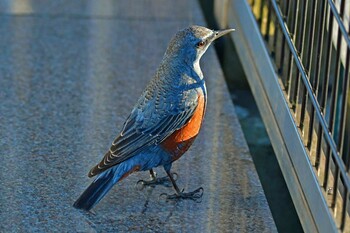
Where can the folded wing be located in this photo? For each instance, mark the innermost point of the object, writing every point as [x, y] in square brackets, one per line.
[148, 124]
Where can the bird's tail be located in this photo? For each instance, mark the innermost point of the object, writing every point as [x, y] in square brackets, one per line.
[101, 185]
[96, 191]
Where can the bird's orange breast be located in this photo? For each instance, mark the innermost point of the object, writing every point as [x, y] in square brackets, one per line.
[179, 142]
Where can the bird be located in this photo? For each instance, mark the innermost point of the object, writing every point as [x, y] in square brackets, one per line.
[163, 123]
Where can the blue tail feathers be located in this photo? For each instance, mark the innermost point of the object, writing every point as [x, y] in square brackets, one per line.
[105, 181]
[96, 191]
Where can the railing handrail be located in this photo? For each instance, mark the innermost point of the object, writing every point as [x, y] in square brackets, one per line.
[324, 125]
[305, 85]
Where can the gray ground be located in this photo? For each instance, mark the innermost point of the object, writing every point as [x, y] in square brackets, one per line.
[70, 72]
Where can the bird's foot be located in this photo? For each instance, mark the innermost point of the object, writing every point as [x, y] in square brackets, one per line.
[195, 195]
[165, 181]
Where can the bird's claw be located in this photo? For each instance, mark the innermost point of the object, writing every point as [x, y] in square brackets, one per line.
[156, 181]
[195, 195]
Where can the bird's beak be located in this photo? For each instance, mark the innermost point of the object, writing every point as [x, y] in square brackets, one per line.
[220, 33]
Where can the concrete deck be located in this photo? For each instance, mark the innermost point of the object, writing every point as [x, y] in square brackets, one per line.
[70, 72]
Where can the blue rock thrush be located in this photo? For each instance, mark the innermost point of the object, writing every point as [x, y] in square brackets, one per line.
[164, 122]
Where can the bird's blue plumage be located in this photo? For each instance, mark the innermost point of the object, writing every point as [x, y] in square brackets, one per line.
[165, 120]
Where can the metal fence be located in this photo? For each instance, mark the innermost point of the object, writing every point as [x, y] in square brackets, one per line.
[309, 44]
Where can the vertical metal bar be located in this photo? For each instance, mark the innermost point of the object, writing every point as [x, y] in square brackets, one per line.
[268, 24]
[344, 108]
[309, 58]
[327, 64]
[335, 89]
[271, 31]
[325, 90]
[318, 66]
[335, 185]
[345, 208]
[344, 111]
[320, 50]
[298, 86]
[297, 36]
[275, 35]
[310, 35]
[261, 14]
[301, 93]
[291, 67]
[301, 29]
[287, 61]
[283, 45]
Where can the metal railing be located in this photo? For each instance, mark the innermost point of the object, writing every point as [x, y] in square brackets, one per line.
[309, 44]
[296, 58]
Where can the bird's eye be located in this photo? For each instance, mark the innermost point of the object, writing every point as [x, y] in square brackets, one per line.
[200, 44]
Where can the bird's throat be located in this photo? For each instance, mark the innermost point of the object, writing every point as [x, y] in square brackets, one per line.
[197, 69]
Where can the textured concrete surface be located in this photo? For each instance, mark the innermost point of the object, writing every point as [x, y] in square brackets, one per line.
[70, 72]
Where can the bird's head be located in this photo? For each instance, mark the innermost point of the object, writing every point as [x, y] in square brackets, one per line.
[190, 44]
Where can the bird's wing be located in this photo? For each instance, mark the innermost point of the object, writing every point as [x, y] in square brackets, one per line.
[148, 124]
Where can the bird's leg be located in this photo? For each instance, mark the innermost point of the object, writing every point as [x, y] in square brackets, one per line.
[194, 195]
[156, 181]
[153, 175]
